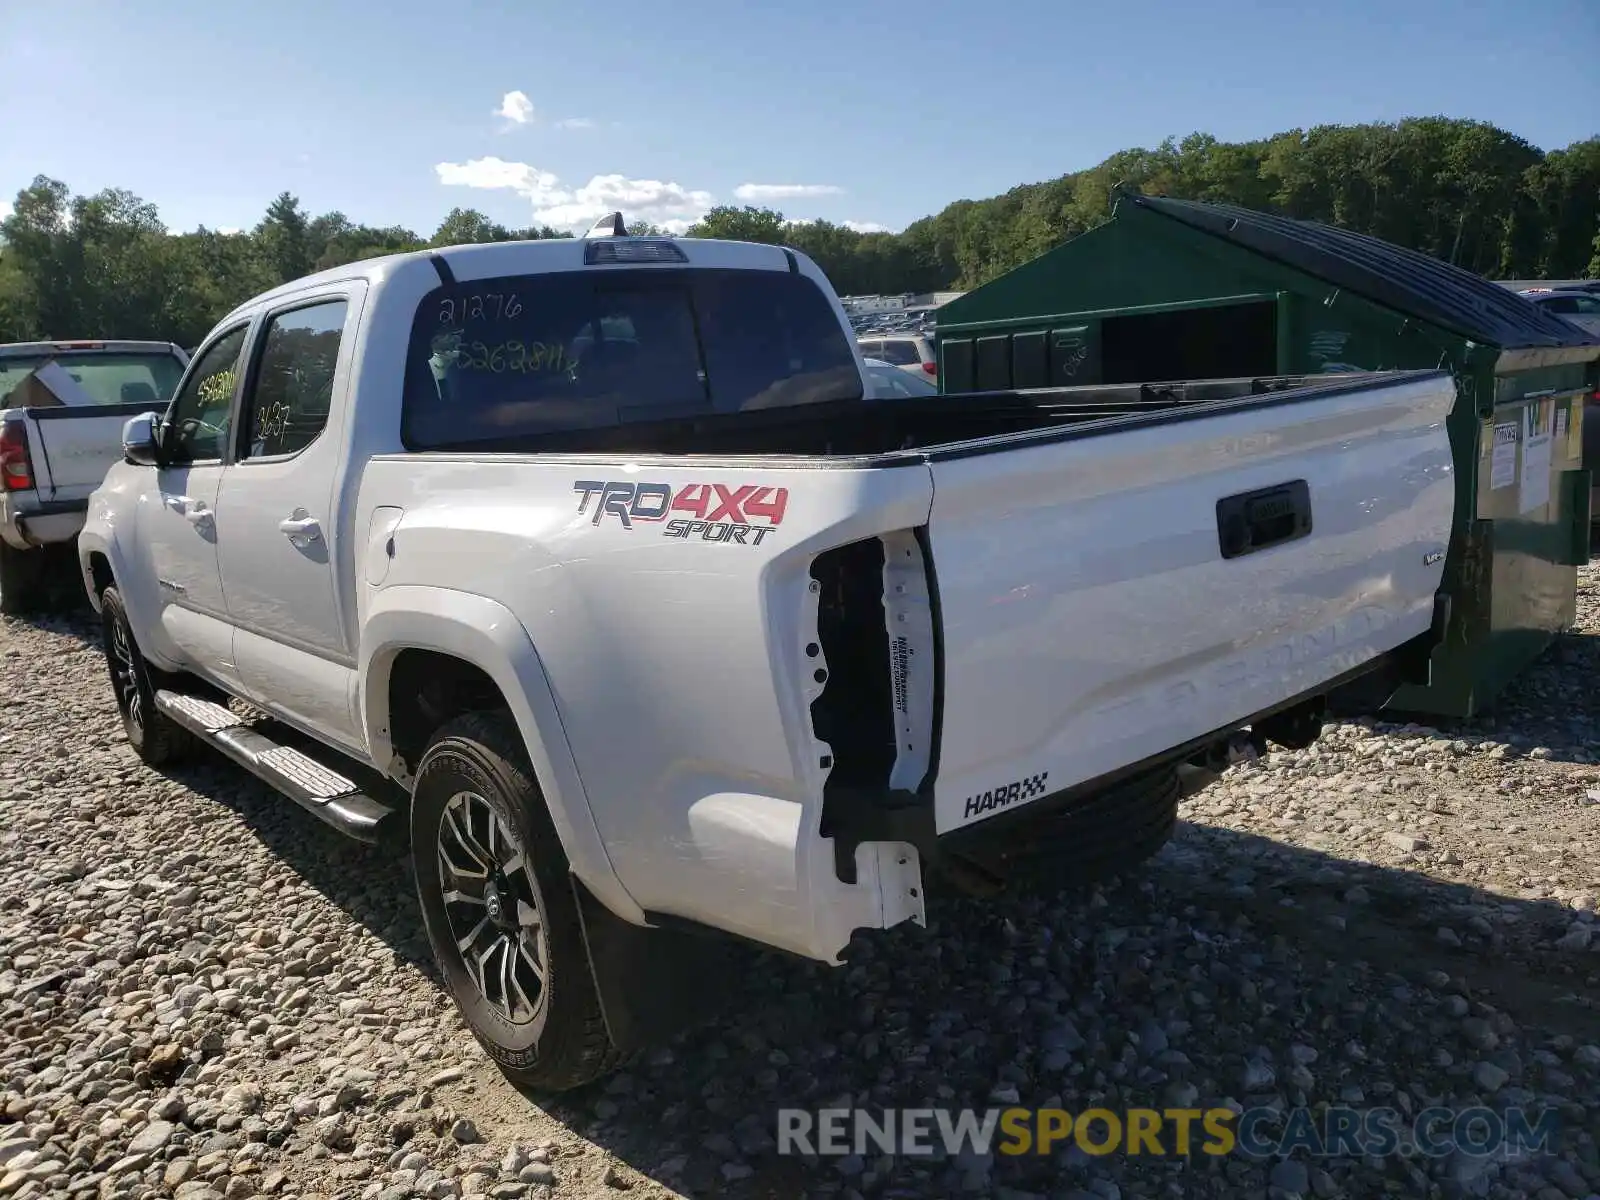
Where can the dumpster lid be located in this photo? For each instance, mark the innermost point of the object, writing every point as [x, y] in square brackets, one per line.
[1405, 280]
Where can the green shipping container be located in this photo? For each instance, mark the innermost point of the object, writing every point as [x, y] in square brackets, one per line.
[1171, 289]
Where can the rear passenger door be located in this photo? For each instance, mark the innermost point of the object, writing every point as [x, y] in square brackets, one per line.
[278, 541]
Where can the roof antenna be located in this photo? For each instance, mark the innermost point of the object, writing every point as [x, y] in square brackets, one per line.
[610, 225]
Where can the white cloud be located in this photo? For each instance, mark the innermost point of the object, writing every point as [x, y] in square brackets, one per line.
[516, 108]
[659, 202]
[857, 226]
[229, 230]
[496, 173]
[785, 191]
[575, 123]
[5, 209]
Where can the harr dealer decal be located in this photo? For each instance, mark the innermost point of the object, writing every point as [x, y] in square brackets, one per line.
[1005, 795]
[714, 512]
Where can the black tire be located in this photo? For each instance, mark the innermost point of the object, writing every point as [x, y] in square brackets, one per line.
[155, 737]
[550, 1042]
[22, 580]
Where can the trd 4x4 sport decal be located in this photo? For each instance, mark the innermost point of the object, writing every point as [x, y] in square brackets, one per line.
[717, 512]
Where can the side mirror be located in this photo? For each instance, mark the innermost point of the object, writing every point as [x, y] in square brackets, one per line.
[141, 444]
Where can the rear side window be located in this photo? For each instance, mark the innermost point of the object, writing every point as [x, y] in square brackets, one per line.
[901, 352]
[293, 390]
[521, 356]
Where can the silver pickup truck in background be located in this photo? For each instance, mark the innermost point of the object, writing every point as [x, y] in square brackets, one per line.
[62, 408]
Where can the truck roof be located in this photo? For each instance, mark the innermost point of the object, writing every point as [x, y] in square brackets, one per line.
[485, 260]
[62, 345]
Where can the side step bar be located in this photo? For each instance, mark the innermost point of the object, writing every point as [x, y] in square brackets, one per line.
[325, 793]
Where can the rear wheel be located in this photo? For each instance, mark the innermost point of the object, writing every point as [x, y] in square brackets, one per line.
[155, 738]
[499, 908]
[21, 580]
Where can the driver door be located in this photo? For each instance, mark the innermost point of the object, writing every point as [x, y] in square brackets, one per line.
[176, 514]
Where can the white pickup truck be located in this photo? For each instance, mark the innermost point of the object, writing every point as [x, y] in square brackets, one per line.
[62, 409]
[587, 563]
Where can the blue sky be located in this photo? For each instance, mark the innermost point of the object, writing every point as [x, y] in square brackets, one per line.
[874, 112]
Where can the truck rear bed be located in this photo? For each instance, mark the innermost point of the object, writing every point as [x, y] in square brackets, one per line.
[72, 448]
[939, 424]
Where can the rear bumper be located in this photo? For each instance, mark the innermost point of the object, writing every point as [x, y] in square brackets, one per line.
[1077, 837]
[26, 526]
[887, 852]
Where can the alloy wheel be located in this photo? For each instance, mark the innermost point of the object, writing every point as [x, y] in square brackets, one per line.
[492, 905]
[125, 675]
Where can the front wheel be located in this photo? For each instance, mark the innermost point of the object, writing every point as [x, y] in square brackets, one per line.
[154, 736]
[499, 908]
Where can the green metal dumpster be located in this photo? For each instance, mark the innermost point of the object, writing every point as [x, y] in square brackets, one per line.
[1171, 289]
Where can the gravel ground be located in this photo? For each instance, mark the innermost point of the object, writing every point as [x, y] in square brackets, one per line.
[204, 993]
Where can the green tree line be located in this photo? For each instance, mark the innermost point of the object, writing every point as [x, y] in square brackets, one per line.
[1463, 191]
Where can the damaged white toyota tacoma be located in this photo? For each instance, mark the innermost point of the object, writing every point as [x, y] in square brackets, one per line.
[588, 564]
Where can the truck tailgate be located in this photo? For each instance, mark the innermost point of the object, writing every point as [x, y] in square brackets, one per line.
[72, 448]
[1091, 617]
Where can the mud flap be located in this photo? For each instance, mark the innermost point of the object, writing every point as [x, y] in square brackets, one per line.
[652, 982]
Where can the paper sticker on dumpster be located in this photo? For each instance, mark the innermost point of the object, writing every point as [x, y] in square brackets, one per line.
[1503, 467]
[1537, 422]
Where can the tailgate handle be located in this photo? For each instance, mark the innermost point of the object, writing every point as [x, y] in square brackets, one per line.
[1254, 521]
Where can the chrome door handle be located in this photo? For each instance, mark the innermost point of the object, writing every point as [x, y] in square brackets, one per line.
[300, 528]
[192, 510]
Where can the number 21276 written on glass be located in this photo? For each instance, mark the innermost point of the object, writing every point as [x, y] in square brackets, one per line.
[474, 308]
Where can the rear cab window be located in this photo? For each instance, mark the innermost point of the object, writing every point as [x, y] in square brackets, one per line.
[521, 356]
[97, 377]
[902, 352]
